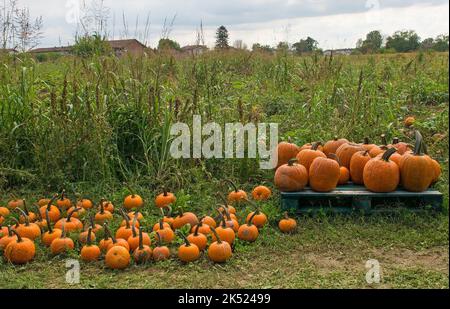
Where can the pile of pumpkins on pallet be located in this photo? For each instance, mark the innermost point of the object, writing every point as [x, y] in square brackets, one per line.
[58, 225]
[380, 168]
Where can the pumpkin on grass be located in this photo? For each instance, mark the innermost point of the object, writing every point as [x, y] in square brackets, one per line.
[124, 231]
[8, 237]
[4, 212]
[117, 257]
[219, 251]
[28, 229]
[20, 250]
[291, 177]
[225, 204]
[165, 233]
[184, 218]
[381, 174]
[107, 239]
[31, 215]
[229, 221]
[53, 211]
[259, 218]
[135, 238]
[307, 156]
[85, 203]
[236, 195]
[187, 252]
[132, 201]
[63, 202]
[72, 224]
[417, 171]
[160, 252]
[83, 236]
[409, 121]
[167, 217]
[41, 222]
[15, 203]
[332, 145]
[118, 242]
[202, 227]
[357, 163]
[249, 231]
[51, 234]
[261, 193]
[198, 239]
[107, 205]
[90, 252]
[285, 152]
[103, 215]
[143, 252]
[165, 199]
[324, 174]
[61, 244]
[226, 233]
[287, 225]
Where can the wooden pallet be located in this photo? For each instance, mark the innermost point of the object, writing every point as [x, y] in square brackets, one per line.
[350, 198]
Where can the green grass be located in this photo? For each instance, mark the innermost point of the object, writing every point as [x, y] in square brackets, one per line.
[89, 124]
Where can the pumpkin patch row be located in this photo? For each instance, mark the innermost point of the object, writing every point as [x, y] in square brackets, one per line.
[61, 227]
[380, 168]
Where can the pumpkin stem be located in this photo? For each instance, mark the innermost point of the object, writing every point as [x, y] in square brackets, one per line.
[158, 240]
[52, 200]
[395, 140]
[419, 143]
[232, 184]
[197, 227]
[63, 194]
[15, 221]
[219, 241]
[69, 216]
[133, 228]
[63, 229]
[180, 211]
[19, 239]
[107, 233]
[383, 139]
[333, 156]
[366, 141]
[186, 241]
[335, 138]
[89, 237]
[49, 226]
[25, 207]
[91, 220]
[315, 145]
[292, 161]
[27, 220]
[388, 153]
[126, 218]
[141, 242]
[250, 220]
[286, 216]
[164, 191]
[10, 233]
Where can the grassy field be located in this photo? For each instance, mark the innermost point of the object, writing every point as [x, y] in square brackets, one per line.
[89, 124]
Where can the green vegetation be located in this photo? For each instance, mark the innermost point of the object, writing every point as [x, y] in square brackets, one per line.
[88, 124]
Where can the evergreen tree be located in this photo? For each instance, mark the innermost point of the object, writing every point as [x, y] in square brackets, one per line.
[222, 38]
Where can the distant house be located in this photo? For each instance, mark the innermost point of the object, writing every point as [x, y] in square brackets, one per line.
[8, 51]
[343, 51]
[119, 47]
[194, 49]
[131, 46]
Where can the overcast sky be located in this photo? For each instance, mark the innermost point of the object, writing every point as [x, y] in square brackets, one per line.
[334, 24]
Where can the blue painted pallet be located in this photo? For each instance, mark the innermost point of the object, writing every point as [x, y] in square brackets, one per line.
[350, 198]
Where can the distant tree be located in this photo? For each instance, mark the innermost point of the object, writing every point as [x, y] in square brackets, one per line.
[261, 48]
[222, 38]
[283, 47]
[427, 44]
[27, 31]
[371, 44]
[441, 43]
[7, 12]
[165, 44]
[305, 45]
[403, 41]
[90, 45]
[239, 44]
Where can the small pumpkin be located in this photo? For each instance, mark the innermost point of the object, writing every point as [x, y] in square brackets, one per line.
[167, 217]
[198, 239]
[90, 252]
[107, 205]
[103, 215]
[72, 224]
[4, 212]
[377, 150]
[117, 257]
[286, 151]
[307, 156]
[62, 244]
[165, 233]
[346, 151]
[259, 218]
[381, 174]
[118, 242]
[31, 215]
[332, 145]
[401, 147]
[124, 231]
[291, 177]
[237, 194]
[229, 221]
[63, 202]
[187, 252]
[8, 237]
[107, 239]
[53, 211]
[248, 232]
[417, 171]
[219, 251]
[135, 238]
[287, 225]
[20, 250]
[344, 173]
[15, 203]
[28, 229]
[165, 199]
[226, 233]
[85, 203]
[357, 163]
[261, 193]
[51, 234]
[143, 252]
[202, 228]
[184, 218]
[83, 236]
[409, 121]
[133, 201]
[324, 174]
[160, 252]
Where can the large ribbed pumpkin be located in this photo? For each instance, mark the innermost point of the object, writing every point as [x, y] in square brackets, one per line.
[286, 151]
[346, 151]
[381, 174]
[291, 177]
[306, 156]
[332, 145]
[324, 174]
[417, 171]
[357, 163]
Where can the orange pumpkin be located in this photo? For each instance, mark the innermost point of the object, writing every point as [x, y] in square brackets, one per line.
[198, 239]
[249, 231]
[346, 151]
[143, 252]
[366, 145]
[160, 252]
[306, 157]
[53, 211]
[62, 244]
[344, 174]
[357, 163]
[324, 174]
[287, 225]
[72, 224]
[184, 218]
[291, 177]
[165, 199]
[90, 252]
[332, 145]
[51, 234]
[261, 193]
[117, 257]
[20, 250]
[219, 251]
[381, 174]
[133, 201]
[236, 195]
[63, 202]
[286, 151]
[187, 252]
